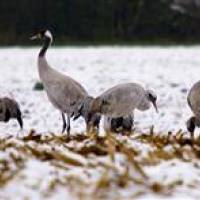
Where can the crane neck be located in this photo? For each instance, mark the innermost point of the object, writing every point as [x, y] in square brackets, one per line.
[46, 44]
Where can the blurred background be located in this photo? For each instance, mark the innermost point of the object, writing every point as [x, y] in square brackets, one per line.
[101, 21]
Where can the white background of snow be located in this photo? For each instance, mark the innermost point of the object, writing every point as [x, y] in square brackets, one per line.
[167, 70]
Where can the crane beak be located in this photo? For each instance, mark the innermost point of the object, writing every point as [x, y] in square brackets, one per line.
[20, 121]
[19, 118]
[34, 37]
[155, 106]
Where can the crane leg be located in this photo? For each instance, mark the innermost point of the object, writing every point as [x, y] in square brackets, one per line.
[64, 123]
[68, 125]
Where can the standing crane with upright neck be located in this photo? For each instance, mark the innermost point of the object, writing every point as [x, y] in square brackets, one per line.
[63, 92]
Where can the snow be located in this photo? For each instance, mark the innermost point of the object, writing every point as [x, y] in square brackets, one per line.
[169, 71]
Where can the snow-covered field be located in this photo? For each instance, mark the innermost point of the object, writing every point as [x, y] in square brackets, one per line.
[170, 71]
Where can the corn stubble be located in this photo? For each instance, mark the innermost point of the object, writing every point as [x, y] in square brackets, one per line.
[99, 154]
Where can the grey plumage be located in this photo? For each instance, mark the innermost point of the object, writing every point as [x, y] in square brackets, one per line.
[92, 121]
[193, 99]
[63, 91]
[121, 100]
[9, 109]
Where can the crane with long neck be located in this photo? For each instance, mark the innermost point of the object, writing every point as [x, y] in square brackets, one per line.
[63, 91]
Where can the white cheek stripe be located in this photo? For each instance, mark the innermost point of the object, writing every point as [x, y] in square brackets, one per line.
[49, 35]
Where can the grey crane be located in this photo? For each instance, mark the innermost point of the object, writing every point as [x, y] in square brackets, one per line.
[193, 99]
[110, 124]
[9, 109]
[63, 92]
[121, 100]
